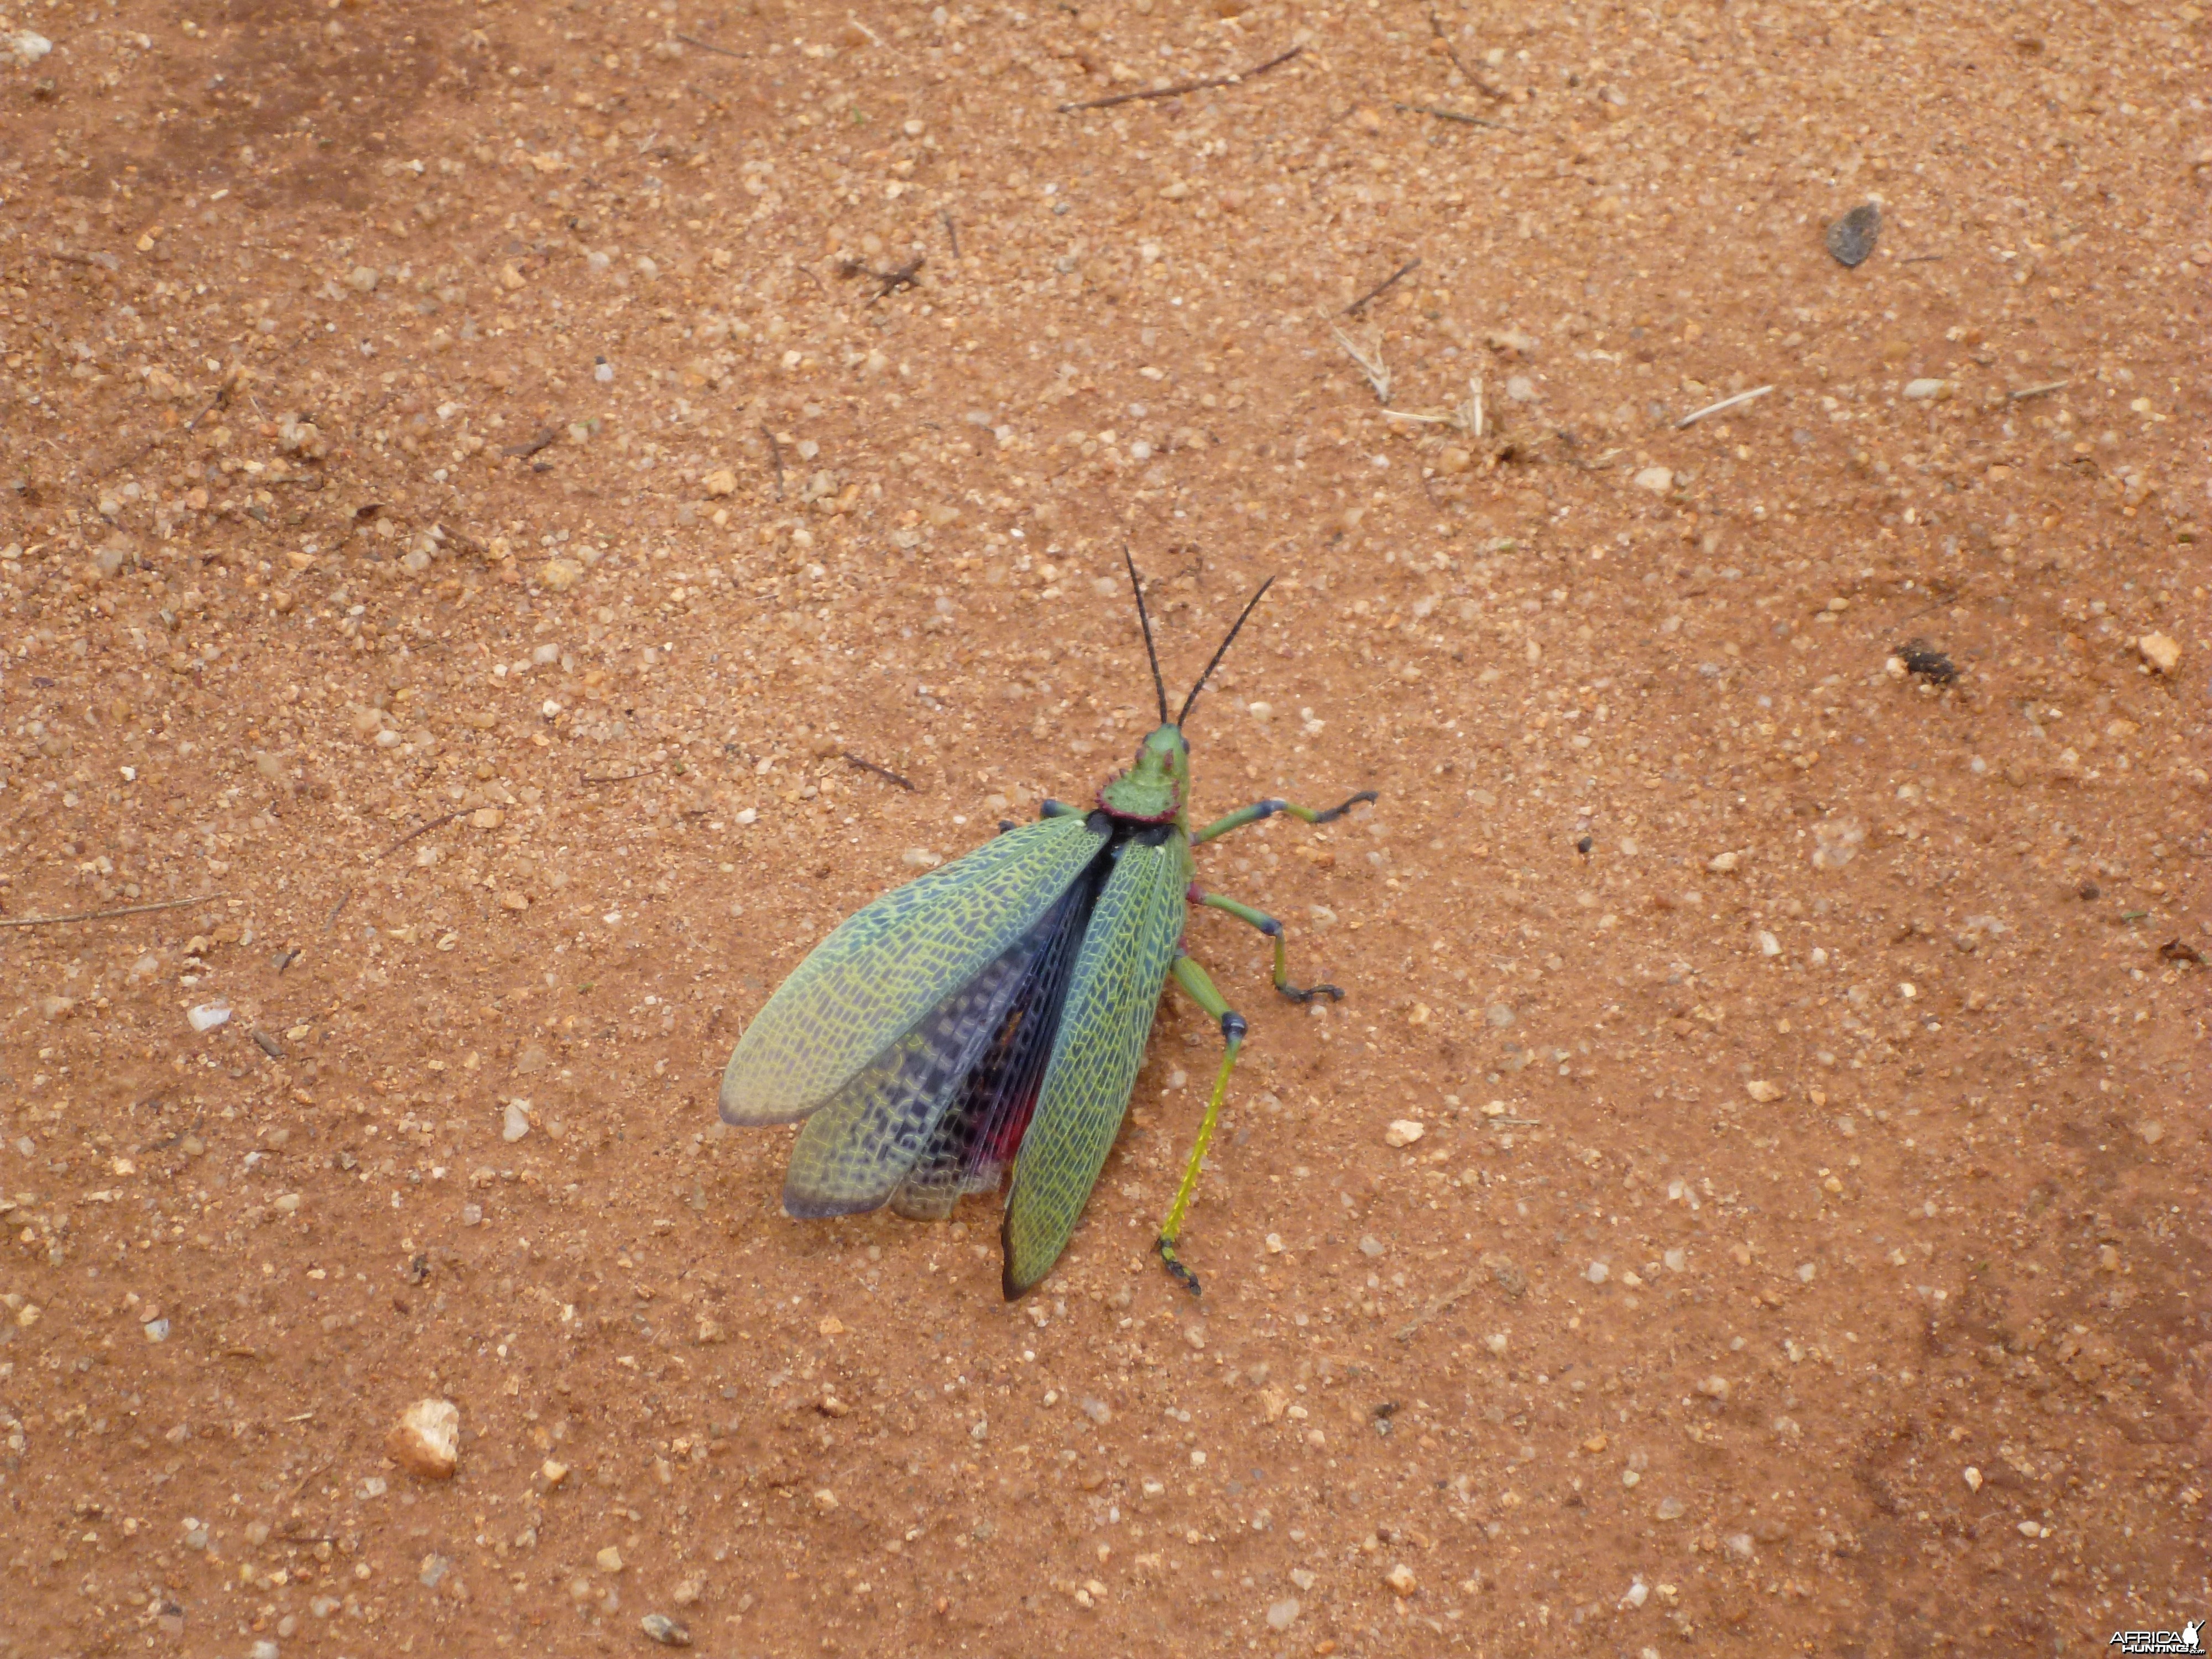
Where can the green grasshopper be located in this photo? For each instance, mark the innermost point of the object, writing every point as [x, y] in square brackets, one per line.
[996, 1010]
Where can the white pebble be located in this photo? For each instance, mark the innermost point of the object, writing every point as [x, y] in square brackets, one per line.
[515, 1123]
[208, 1015]
[1924, 388]
[1403, 1132]
[1597, 1272]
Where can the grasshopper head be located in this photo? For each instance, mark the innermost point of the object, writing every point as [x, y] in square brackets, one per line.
[1154, 787]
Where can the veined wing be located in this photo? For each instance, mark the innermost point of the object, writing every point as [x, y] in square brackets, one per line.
[975, 1138]
[859, 1148]
[1115, 989]
[873, 981]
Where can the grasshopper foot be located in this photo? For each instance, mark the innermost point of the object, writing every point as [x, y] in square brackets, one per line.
[1176, 1271]
[1296, 994]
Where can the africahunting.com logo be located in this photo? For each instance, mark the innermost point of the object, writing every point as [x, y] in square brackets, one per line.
[2190, 1638]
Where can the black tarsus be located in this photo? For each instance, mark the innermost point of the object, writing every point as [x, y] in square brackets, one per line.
[1233, 1027]
[1250, 604]
[1338, 811]
[1176, 1271]
[1310, 992]
[1159, 685]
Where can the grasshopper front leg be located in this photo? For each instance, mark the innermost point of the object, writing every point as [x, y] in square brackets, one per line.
[1201, 988]
[1268, 809]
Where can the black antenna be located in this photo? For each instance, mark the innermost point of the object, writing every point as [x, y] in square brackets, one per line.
[1251, 605]
[1159, 686]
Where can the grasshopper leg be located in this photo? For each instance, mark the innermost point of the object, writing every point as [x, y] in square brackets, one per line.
[1268, 809]
[1273, 929]
[1201, 988]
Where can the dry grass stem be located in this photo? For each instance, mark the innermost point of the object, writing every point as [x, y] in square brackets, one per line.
[1697, 414]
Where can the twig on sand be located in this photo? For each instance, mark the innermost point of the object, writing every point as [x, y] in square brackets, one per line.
[102, 916]
[1444, 114]
[621, 777]
[890, 281]
[2039, 390]
[1371, 364]
[1697, 414]
[906, 784]
[1182, 86]
[1437, 28]
[423, 831]
[1466, 417]
[952, 234]
[708, 45]
[523, 452]
[775, 458]
[1383, 286]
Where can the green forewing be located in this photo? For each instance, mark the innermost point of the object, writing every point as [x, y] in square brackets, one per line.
[873, 981]
[1119, 975]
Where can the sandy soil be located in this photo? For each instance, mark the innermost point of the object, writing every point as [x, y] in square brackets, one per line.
[474, 474]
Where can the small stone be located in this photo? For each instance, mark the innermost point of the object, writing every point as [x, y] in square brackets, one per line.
[533, 1058]
[1597, 1272]
[1635, 1595]
[2030, 1529]
[363, 279]
[1370, 1246]
[830, 1325]
[1521, 389]
[552, 1474]
[487, 817]
[426, 1439]
[1973, 1479]
[434, 1571]
[610, 1560]
[1096, 1409]
[1401, 1581]
[1762, 1091]
[721, 482]
[688, 1592]
[1835, 843]
[825, 1500]
[1282, 1614]
[1656, 479]
[561, 574]
[1921, 390]
[665, 1631]
[208, 1015]
[2160, 652]
[1403, 1132]
[1670, 1509]
[515, 1120]
[1851, 239]
[1739, 1546]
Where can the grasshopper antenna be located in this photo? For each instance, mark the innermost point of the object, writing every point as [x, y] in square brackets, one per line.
[1159, 686]
[1251, 605]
